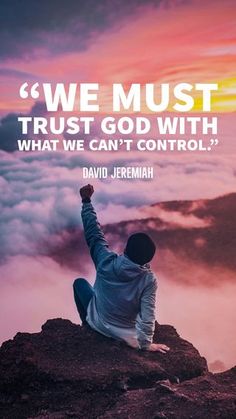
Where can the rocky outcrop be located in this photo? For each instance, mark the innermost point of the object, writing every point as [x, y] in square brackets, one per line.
[71, 371]
[209, 396]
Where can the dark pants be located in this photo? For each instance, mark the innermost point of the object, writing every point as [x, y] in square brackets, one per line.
[83, 293]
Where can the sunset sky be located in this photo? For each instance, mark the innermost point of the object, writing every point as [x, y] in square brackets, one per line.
[120, 41]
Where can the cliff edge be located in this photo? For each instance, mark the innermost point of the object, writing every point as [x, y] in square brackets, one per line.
[68, 371]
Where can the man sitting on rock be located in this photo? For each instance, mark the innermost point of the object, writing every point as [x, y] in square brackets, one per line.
[121, 305]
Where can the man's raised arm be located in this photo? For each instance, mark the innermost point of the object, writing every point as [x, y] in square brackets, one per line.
[92, 230]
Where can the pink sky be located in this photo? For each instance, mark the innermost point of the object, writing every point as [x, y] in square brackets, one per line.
[192, 42]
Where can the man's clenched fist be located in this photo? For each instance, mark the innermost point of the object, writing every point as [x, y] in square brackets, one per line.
[86, 192]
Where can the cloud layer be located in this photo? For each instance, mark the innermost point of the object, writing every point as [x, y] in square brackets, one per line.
[42, 248]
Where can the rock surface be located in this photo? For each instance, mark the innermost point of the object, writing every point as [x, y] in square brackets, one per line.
[70, 371]
[210, 396]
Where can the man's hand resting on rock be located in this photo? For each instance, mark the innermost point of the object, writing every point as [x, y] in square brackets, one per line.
[86, 192]
[158, 347]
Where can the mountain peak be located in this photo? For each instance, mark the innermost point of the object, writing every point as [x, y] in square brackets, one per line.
[71, 371]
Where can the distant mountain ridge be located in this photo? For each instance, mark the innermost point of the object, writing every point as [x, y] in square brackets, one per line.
[209, 238]
[197, 233]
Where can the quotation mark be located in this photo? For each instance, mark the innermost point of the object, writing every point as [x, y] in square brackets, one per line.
[213, 141]
[33, 92]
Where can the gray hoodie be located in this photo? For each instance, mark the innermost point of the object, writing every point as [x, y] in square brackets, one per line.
[123, 305]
